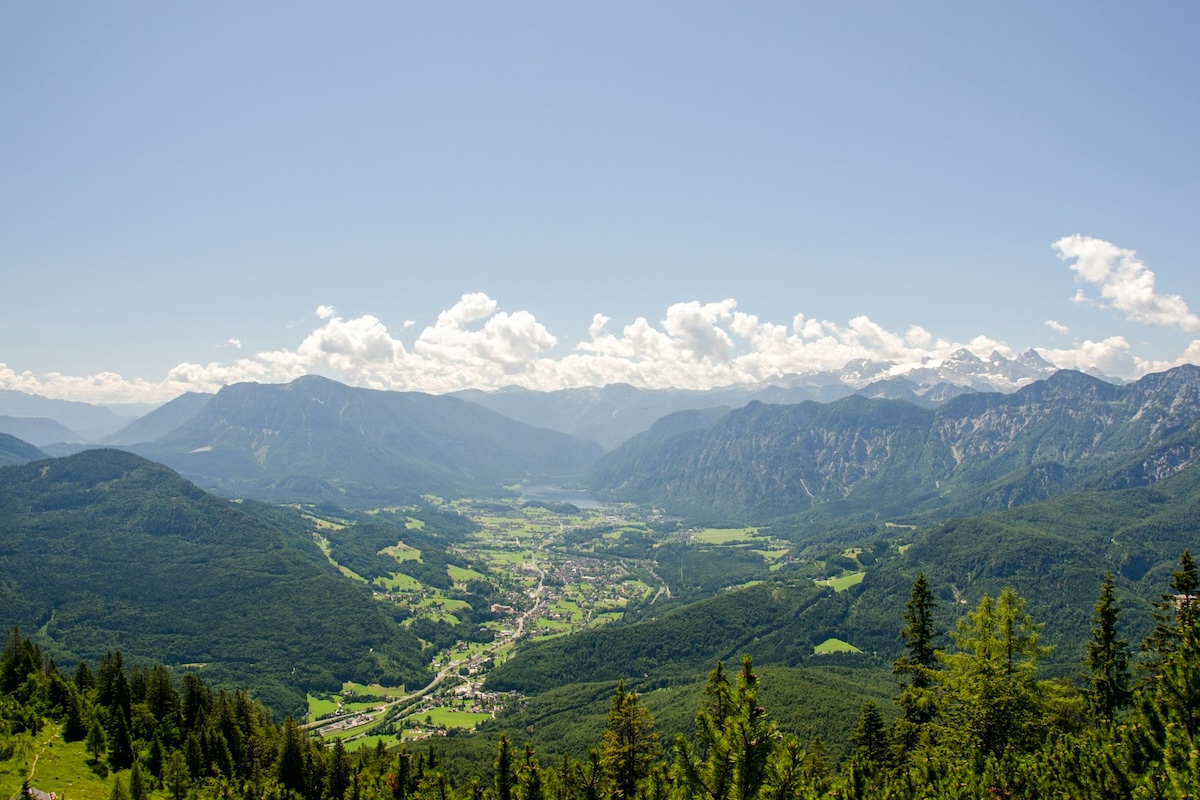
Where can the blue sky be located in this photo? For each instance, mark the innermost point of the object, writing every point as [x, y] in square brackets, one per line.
[430, 196]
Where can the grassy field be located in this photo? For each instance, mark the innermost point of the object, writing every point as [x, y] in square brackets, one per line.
[844, 582]
[835, 646]
[402, 552]
[399, 582]
[725, 535]
[452, 718]
[462, 574]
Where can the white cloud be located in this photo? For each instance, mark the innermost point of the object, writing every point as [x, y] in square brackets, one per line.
[235, 343]
[1112, 356]
[1125, 283]
[696, 344]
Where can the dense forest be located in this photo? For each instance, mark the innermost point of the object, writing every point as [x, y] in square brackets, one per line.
[973, 721]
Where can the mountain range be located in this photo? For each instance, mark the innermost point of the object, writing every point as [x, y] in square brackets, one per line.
[862, 458]
[316, 440]
[608, 415]
[612, 414]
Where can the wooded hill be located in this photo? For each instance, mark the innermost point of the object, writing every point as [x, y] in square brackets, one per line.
[866, 459]
[105, 550]
[17, 451]
[316, 440]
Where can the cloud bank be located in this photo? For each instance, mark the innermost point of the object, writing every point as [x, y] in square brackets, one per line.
[475, 344]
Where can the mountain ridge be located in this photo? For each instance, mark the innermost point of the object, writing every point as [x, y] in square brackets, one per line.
[975, 452]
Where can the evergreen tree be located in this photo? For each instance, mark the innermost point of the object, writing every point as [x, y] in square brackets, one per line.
[504, 779]
[990, 681]
[175, 775]
[74, 725]
[1176, 666]
[630, 745]
[120, 747]
[529, 777]
[292, 765]
[119, 790]
[137, 782]
[339, 771]
[97, 742]
[1107, 658]
[918, 666]
[736, 738]
[869, 740]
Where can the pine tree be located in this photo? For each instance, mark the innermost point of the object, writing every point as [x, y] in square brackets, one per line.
[630, 745]
[119, 791]
[339, 771]
[292, 765]
[990, 679]
[503, 779]
[916, 700]
[1107, 658]
[869, 738]
[120, 747]
[1176, 645]
[97, 742]
[176, 776]
[137, 782]
[737, 741]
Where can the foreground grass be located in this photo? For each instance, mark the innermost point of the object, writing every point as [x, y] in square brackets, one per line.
[61, 767]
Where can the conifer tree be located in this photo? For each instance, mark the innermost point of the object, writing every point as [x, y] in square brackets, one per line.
[97, 742]
[119, 790]
[1176, 645]
[339, 771]
[1107, 658]
[630, 745]
[737, 741]
[120, 747]
[869, 738]
[503, 779]
[137, 782]
[175, 775]
[991, 678]
[918, 666]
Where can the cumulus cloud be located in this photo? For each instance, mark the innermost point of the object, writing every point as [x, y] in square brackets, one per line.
[234, 343]
[1125, 283]
[476, 344]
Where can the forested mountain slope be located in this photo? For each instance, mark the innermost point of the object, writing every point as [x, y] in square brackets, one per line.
[17, 451]
[315, 439]
[860, 458]
[105, 550]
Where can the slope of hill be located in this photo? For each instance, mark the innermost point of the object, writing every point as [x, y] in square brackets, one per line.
[683, 641]
[1054, 553]
[863, 457]
[105, 550]
[161, 421]
[315, 439]
[17, 451]
[38, 431]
